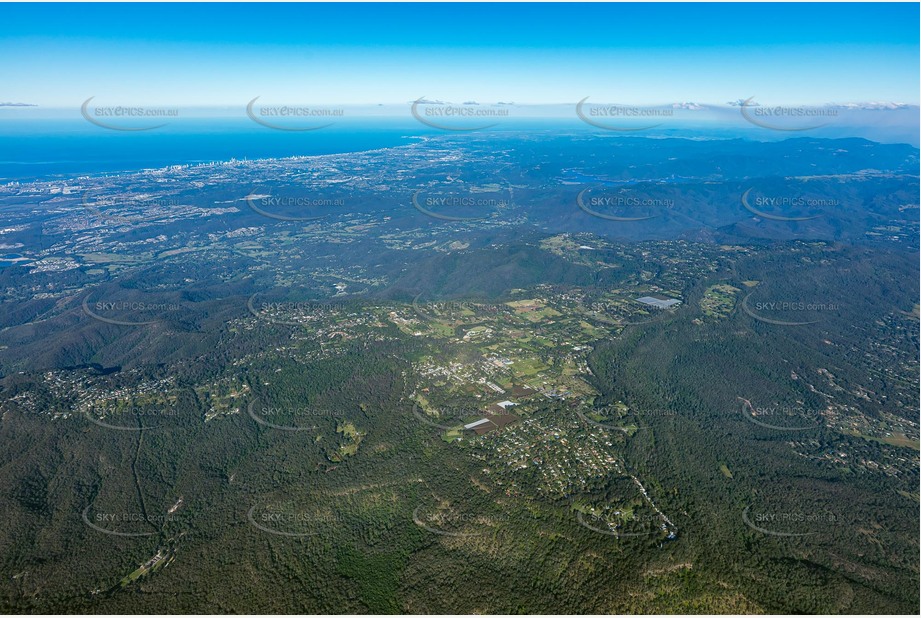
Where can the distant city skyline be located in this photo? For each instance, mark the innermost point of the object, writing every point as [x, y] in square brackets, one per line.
[222, 55]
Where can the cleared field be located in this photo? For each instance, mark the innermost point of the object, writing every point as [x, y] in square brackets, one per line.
[896, 439]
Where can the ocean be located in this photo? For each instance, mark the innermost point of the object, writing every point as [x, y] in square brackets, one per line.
[45, 149]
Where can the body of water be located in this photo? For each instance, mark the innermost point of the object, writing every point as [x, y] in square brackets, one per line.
[36, 150]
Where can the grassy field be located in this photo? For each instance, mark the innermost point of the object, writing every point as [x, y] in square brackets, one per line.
[896, 439]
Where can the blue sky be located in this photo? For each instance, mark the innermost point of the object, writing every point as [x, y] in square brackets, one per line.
[211, 54]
